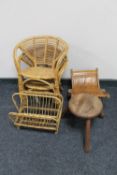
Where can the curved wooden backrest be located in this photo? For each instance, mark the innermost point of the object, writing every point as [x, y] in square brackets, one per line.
[87, 81]
[85, 78]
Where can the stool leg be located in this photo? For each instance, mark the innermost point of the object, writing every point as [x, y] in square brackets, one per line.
[87, 146]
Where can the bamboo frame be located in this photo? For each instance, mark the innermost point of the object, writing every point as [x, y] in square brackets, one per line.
[39, 85]
[36, 110]
[45, 52]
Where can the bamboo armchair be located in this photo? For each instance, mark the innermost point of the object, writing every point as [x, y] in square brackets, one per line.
[36, 110]
[45, 58]
[39, 85]
[47, 85]
[86, 81]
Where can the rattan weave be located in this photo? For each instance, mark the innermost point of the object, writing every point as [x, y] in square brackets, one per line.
[45, 58]
[36, 110]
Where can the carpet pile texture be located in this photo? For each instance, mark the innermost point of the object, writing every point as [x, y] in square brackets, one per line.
[32, 152]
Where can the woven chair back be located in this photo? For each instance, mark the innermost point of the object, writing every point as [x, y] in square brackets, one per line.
[43, 51]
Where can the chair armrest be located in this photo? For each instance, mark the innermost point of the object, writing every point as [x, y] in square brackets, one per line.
[18, 62]
[21, 58]
[61, 65]
[14, 101]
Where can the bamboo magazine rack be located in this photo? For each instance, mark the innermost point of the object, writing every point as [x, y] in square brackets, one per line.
[36, 110]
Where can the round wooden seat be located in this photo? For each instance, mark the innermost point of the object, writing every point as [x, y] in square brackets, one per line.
[85, 105]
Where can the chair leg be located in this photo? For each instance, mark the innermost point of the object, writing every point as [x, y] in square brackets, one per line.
[56, 132]
[57, 88]
[87, 146]
[20, 84]
[57, 127]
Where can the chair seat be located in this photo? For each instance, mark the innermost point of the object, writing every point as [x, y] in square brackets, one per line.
[85, 105]
[39, 73]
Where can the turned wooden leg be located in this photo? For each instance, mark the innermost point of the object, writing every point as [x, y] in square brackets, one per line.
[87, 146]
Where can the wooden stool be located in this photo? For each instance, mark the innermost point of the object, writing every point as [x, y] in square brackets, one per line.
[86, 106]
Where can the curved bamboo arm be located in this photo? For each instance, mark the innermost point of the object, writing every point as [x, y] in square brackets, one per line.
[19, 59]
[61, 65]
[61, 56]
[62, 69]
[27, 61]
[14, 101]
[32, 58]
[57, 97]
[50, 86]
